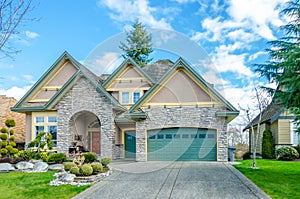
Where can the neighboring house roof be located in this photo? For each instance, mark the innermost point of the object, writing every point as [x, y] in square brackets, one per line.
[158, 69]
[5, 113]
[120, 69]
[134, 113]
[48, 105]
[269, 114]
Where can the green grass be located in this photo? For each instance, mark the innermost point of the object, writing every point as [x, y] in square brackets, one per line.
[279, 179]
[34, 185]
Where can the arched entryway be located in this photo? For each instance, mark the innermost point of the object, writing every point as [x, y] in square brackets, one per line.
[85, 129]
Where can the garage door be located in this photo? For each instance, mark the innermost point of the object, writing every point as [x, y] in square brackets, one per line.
[182, 144]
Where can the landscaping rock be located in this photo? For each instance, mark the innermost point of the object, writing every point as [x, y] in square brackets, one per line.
[6, 167]
[56, 167]
[24, 165]
[40, 167]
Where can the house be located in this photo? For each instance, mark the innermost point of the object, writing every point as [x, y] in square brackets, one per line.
[5, 113]
[164, 111]
[281, 123]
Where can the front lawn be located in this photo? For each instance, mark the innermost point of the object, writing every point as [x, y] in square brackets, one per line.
[34, 185]
[279, 179]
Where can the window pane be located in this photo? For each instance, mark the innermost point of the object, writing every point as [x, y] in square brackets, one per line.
[53, 131]
[136, 96]
[38, 129]
[125, 97]
[39, 119]
[52, 119]
[160, 136]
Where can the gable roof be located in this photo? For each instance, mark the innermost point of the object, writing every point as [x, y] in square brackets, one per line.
[269, 114]
[121, 68]
[158, 69]
[82, 71]
[180, 63]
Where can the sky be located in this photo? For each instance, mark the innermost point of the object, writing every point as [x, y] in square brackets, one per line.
[220, 39]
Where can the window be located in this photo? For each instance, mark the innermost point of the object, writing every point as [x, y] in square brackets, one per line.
[53, 131]
[45, 123]
[39, 119]
[125, 97]
[136, 96]
[295, 137]
[52, 119]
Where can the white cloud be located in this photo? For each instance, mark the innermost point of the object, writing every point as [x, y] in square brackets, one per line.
[6, 66]
[258, 15]
[105, 63]
[132, 10]
[256, 55]
[15, 92]
[226, 61]
[31, 35]
[184, 1]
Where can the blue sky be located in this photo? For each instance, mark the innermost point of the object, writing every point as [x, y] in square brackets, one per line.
[232, 34]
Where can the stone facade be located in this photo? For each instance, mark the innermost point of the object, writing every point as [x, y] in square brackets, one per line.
[200, 117]
[84, 97]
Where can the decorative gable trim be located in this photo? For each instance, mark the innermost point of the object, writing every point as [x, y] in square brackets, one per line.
[181, 64]
[121, 68]
[82, 71]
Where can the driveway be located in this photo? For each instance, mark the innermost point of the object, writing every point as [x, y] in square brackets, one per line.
[173, 180]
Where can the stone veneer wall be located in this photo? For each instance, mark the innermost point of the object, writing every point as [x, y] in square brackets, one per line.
[202, 117]
[84, 97]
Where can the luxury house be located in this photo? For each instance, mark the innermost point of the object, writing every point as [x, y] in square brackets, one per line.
[281, 123]
[164, 111]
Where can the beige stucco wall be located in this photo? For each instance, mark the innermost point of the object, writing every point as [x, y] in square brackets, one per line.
[180, 89]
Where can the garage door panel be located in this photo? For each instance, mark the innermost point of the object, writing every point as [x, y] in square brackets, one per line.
[184, 144]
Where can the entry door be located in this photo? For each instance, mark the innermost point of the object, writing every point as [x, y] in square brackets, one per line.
[130, 145]
[96, 137]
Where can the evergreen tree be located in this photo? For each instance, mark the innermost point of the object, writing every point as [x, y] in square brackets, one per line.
[138, 44]
[267, 144]
[284, 64]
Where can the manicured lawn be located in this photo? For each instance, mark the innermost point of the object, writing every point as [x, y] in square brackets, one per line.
[279, 179]
[34, 185]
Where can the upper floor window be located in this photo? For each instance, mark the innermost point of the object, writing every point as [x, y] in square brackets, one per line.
[125, 98]
[136, 96]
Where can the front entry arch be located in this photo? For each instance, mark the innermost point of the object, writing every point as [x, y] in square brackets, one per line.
[86, 132]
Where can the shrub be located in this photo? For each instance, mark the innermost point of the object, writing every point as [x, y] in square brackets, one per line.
[87, 169]
[298, 148]
[11, 132]
[3, 151]
[89, 157]
[97, 167]
[12, 138]
[286, 153]
[69, 165]
[267, 144]
[14, 151]
[13, 144]
[3, 136]
[247, 155]
[74, 170]
[9, 148]
[57, 158]
[3, 143]
[10, 123]
[26, 154]
[4, 130]
[105, 161]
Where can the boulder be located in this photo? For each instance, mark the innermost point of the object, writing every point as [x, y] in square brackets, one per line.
[56, 167]
[6, 167]
[24, 165]
[40, 167]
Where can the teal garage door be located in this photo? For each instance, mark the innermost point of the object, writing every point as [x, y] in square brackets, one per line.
[182, 144]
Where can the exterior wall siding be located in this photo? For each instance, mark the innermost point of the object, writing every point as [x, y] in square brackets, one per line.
[284, 132]
[84, 97]
[201, 117]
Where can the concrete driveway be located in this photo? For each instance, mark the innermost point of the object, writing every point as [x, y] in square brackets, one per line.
[173, 180]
